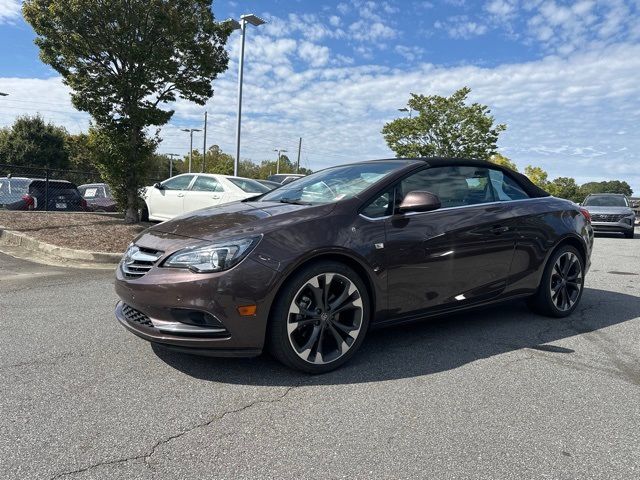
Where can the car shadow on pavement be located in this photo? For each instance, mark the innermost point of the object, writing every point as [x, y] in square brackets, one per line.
[427, 347]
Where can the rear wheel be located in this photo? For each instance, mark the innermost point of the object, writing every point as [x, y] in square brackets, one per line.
[561, 286]
[320, 318]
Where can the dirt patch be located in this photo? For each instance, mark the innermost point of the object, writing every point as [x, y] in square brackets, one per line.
[83, 231]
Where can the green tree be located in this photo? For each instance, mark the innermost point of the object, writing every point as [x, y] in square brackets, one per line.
[80, 155]
[501, 160]
[444, 126]
[32, 142]
[612, 186]
[537, 175]
[124, 60]
[564, 187]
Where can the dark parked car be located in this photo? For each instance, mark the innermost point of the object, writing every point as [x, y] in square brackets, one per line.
[37, 194]
[284, 178]
[98, 197]
[269, 184]
[611, 212]
[307, 269]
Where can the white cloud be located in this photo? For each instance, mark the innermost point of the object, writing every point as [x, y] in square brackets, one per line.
[410, 53]
[502, 9]
[314, 55]
[363, 31]
[9, 10]
[461, 26]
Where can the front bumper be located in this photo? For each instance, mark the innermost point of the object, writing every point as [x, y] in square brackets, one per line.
[161, 292]
[621, 226]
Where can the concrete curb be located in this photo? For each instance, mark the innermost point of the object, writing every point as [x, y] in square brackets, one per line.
[15, 239]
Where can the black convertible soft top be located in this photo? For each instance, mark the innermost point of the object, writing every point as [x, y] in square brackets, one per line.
[527, 185]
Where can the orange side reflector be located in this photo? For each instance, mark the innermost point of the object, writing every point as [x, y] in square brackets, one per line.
[247, 310]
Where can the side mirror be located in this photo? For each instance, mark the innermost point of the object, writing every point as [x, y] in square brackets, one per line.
[158, 185]
[419, 201]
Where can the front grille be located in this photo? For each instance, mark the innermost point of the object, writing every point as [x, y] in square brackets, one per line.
[135, 316]
[138, 261]
[611, 217]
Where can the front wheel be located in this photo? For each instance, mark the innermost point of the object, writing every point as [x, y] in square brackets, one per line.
[561, 286]
[629, 234]
[320, 318]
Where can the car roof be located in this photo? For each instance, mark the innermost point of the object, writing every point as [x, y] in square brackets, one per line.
[606, 194]
[530, 188]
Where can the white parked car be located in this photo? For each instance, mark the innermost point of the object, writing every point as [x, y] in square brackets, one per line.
[193, 191]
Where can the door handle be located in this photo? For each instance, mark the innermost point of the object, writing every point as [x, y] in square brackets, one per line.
[180, 195]
[498, 229]
[215, 197]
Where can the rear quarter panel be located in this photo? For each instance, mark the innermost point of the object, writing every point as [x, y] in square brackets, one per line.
[544, 224]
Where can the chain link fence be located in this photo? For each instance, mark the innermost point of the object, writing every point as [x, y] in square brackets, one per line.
[24, 188]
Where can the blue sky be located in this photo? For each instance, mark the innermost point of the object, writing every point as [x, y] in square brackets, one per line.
[563, 76]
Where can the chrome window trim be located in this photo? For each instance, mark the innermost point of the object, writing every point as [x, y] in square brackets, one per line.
[411, 214]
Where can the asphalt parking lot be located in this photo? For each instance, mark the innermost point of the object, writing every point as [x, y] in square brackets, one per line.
[498, 394]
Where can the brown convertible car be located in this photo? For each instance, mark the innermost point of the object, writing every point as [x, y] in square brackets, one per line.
[307, 269]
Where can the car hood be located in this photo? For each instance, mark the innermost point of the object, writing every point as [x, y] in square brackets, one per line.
[239, 218]
[609, 210]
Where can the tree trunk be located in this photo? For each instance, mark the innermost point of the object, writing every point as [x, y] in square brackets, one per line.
[135, 142]
[131, 212]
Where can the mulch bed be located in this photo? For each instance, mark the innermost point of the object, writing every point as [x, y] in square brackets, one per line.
[82, 231]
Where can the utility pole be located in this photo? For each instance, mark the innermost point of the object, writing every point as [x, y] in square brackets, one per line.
[171, 155]
[280, 151]
[204, 146]
[299, 148]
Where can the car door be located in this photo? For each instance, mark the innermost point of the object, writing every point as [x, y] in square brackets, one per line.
[453, 256]
[168, 201]
[206, 191]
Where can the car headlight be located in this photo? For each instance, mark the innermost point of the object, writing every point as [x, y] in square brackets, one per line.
[213, 258]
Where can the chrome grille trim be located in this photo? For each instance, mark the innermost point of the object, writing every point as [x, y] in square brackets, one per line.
[139, 260]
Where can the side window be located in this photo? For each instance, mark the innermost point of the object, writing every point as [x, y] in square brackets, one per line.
[380, 206]
[455, 186]
[178, 183]
[505, 187]
[206, 184]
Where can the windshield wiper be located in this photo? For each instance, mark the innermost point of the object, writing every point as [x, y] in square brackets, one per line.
[294, 201]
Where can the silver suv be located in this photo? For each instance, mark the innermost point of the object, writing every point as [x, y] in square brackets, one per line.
[610, 212]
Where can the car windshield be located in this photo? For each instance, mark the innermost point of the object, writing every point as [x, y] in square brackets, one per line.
[248, 185]
[332, 184]
[606, 201]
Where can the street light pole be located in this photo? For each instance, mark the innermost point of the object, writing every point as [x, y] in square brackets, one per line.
[190, 130]
[242, 25]
[280, 151]
[171, 155]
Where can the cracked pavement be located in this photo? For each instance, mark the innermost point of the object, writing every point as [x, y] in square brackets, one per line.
[500, 393]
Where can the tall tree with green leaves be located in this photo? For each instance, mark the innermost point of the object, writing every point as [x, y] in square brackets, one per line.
[124, 60]
[537, 175]
[564, 187]
[503, 161]
[32, 142]
[444, 126]
[611, 186]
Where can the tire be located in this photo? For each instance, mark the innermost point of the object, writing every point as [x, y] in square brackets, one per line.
[560, 291]
[313, 345]
[629, 234]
